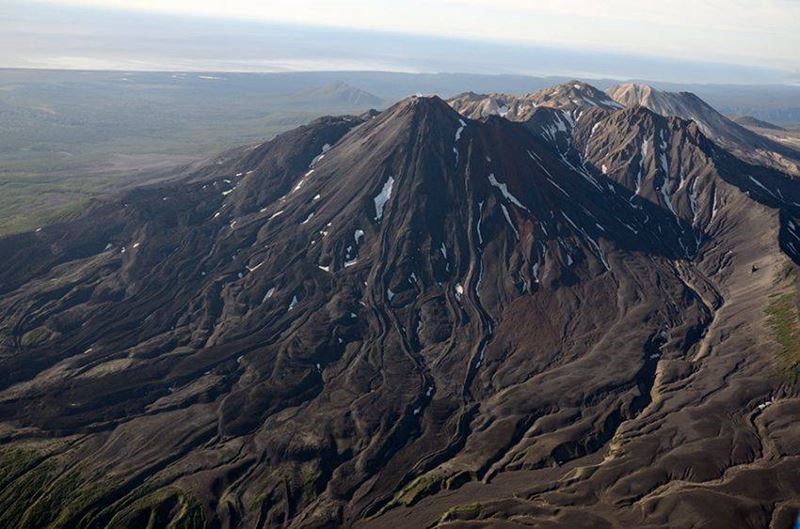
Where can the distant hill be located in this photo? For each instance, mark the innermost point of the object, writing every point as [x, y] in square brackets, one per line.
[751, 122]
[340, 93]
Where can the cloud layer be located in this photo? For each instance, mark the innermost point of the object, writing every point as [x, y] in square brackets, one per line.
[754, 32]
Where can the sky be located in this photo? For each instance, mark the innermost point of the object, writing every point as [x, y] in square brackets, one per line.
[755, 40]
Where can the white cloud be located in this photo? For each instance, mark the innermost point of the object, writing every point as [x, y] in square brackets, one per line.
[735, 31]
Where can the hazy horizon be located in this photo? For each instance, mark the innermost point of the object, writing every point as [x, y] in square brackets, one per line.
[54, 36]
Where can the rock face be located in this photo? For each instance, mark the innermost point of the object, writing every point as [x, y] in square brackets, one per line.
[585, 318]
[743, 142]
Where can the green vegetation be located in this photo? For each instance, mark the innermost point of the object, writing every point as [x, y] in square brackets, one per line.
[419, 488]
[166, 508]
[782, 318]
[14, 462]
[35, 337]
[310, 478]
[67, 137]
[24, 477]
[469, 511]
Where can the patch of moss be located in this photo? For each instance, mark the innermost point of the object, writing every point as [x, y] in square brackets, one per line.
[783, 320]
[419, 488]
[15, 462]
[51, 505]
[469, 511]
[310, 478]
[25, 481]
[35, 337]
[167, 508]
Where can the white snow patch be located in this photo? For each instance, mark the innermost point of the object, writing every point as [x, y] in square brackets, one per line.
[759, 184]
[320, 156]
[668, 200]
[508, 219]
[589, 240]
[358, 235]
[478, 224]
[558, 187]
[383, 197]
[504, 190]
[293, 303]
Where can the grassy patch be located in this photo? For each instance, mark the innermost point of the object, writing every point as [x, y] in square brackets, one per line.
[462, 512]
[166, 508]
[783, 320]
[419, 488]
[35, 337]
[24, 479]
[310, 478]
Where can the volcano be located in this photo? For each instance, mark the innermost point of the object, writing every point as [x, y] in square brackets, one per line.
[566, 314]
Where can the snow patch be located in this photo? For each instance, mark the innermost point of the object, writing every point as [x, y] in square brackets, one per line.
[508, 219]
[320, 156]
[383, 197]
[504, 190]
[459, 291]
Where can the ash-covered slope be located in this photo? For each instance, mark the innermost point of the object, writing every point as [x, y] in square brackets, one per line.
[411, 319]
[745, 143]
